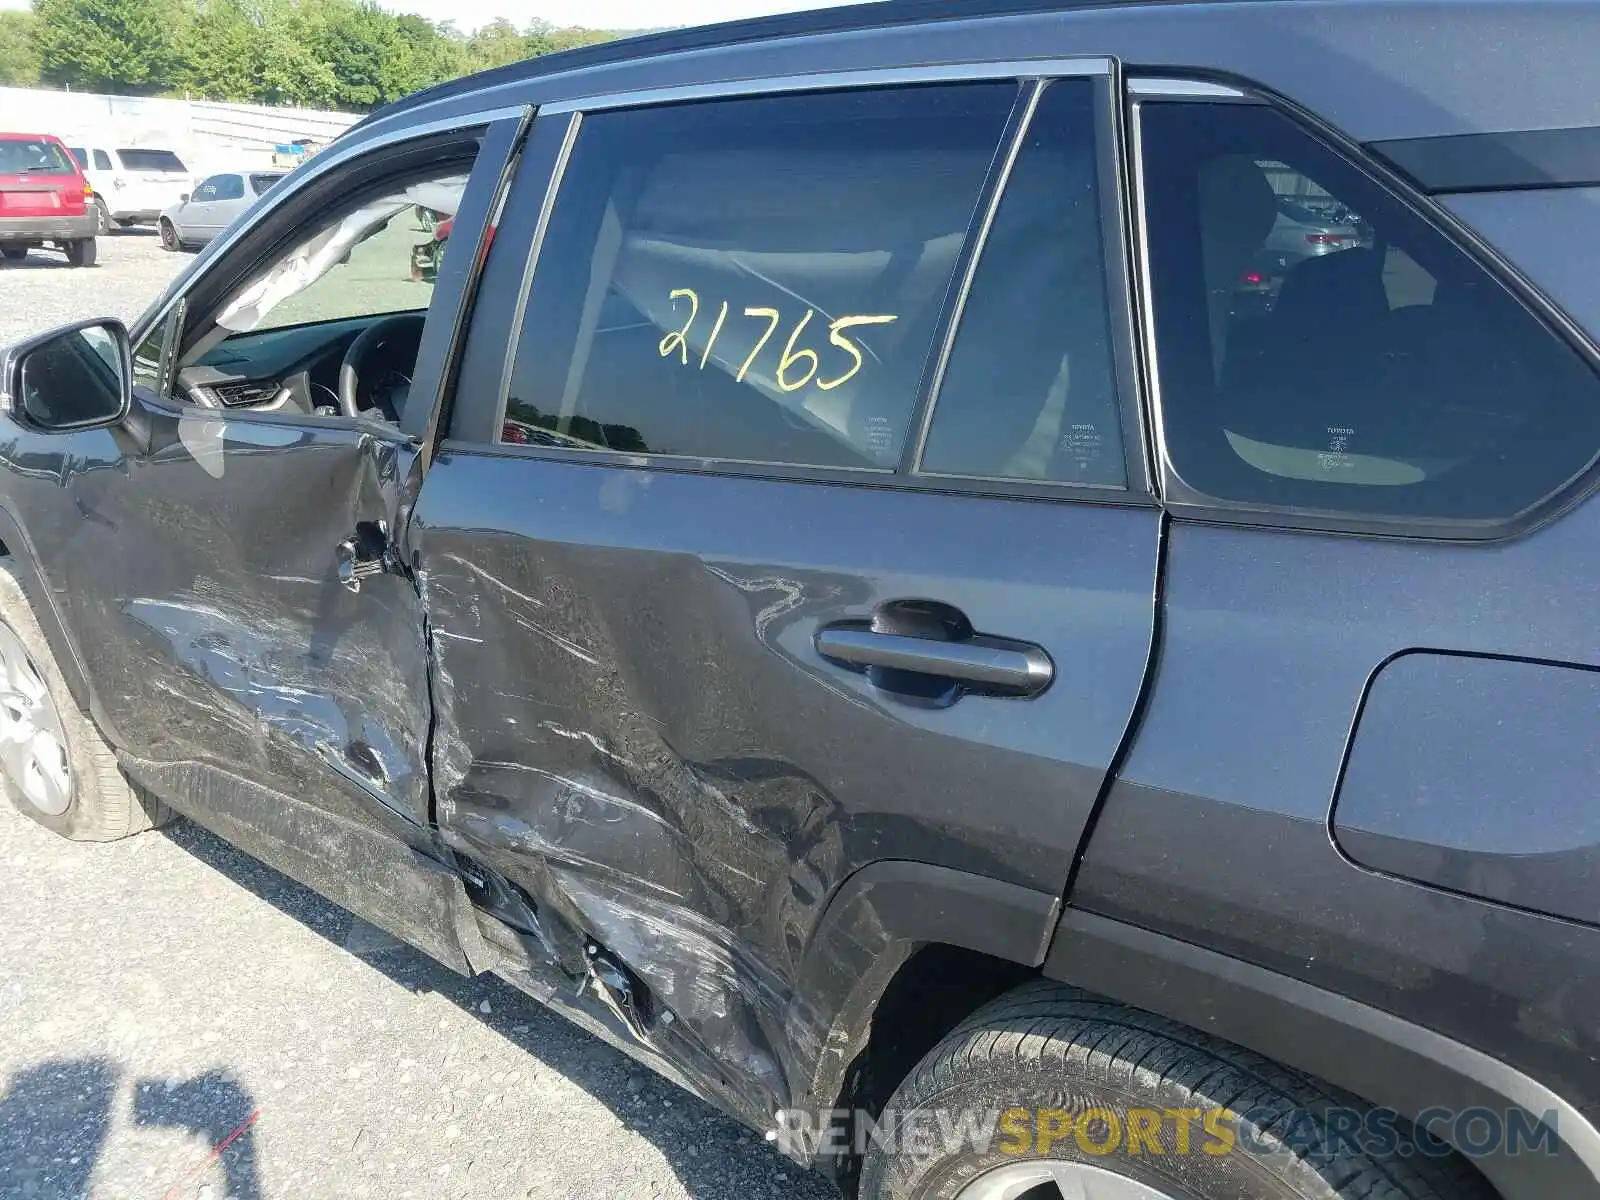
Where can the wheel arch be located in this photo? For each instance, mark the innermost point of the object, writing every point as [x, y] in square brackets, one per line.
[891, 930]
[14, 544]
[1375, 1055]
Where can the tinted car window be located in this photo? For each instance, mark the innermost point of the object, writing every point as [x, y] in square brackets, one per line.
[260, 183]
[151, 160]
[102, 161]
[753, 279]
[19, 155]
[228, 187]
[1029, 392]
[80, 154]
[1338, 352]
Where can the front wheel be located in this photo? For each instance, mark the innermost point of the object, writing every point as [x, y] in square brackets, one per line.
[169, 236]
[54, 765]
[1051, 1094]
[82, 253]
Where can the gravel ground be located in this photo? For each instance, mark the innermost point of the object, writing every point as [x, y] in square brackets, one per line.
[158, 993]
[160, 990]
[42, 291]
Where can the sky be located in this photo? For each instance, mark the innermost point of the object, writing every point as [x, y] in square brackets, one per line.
[595, 14]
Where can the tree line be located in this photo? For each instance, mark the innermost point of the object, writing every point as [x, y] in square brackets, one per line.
[344, 54]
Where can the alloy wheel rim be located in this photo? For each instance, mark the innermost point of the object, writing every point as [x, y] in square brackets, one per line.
[33, 744]
[169, 235]
[1047, 1180]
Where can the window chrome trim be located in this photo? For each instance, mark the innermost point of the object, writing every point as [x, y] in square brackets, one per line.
[335, 156]
[1186, 89]
[1025, 68]
[1144, 303]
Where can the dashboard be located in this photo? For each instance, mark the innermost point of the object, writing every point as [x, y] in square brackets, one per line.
[295, 369]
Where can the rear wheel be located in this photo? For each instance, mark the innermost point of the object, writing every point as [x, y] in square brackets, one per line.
[1086, 1098]
[54, 765]
[82, 253]
[13, 253]
[169, 236]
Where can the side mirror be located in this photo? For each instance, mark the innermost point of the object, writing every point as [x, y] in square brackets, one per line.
[76, 377]
[183, 199]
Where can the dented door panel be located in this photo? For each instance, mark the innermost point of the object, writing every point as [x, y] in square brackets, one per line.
[634, 727]
[204, 600]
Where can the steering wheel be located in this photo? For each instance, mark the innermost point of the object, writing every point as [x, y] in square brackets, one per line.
[370, 338]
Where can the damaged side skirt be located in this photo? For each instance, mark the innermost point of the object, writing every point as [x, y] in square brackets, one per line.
[377, 877]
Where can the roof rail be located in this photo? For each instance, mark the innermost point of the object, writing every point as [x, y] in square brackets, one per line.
[879, 15]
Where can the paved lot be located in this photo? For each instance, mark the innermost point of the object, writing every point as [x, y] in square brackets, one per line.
[42, 290]
[159, 992]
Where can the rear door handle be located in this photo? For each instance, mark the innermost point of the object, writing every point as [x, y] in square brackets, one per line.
[993, 666]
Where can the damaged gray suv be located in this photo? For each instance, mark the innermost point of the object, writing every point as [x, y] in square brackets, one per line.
[875, 569]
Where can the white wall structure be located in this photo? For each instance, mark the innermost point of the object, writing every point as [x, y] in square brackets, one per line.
[209, 136]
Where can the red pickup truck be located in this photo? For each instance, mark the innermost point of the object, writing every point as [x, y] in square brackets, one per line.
[44, 199]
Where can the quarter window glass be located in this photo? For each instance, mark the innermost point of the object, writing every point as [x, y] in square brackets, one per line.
[1030, 391]
[1322, 347]
[752, 279]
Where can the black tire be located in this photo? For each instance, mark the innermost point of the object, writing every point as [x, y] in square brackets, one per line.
[13, 253]
[1049, 1047]
[127, 223]
[103, 214]
[82, 253]
[169, 236]
[104, 806]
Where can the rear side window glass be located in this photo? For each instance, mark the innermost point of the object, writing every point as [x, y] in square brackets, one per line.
[752, 279]
[1322, 347]
[229, 187]
[1030, 391]
[79, 154]
[260, 183]
[151, 160]
[102, 161]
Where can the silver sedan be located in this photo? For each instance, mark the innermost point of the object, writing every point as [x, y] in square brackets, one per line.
[212, 207]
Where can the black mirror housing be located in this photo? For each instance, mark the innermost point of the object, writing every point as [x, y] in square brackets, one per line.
[75, 377]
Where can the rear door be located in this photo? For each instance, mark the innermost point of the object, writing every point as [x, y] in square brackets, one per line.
[723, 605]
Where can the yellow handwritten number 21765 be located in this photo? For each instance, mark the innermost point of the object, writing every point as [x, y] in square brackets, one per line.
[790, 361]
